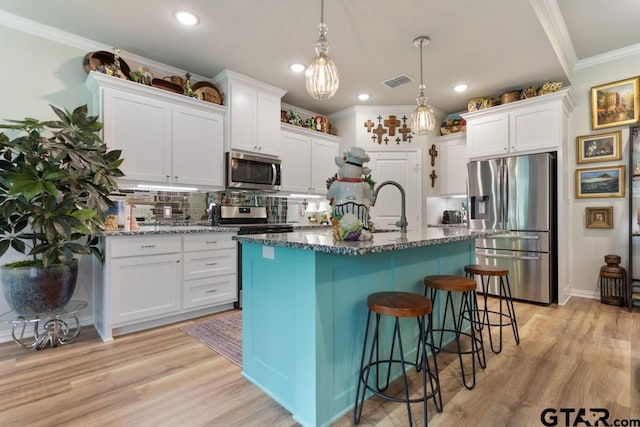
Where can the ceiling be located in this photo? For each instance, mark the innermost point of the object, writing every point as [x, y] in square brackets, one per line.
[493, 45]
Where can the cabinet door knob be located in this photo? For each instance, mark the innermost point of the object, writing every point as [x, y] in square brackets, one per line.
[168, 177]
[175, 177]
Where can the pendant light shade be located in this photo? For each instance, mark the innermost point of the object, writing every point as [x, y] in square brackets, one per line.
[423, 119]
[322, 78]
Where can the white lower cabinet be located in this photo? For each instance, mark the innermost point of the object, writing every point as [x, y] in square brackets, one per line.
[210, 266]
[150, 280]
[145, 287]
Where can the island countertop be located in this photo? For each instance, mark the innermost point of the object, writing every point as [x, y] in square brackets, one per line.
[321, 240]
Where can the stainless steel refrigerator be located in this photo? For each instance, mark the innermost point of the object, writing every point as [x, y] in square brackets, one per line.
[517, 194]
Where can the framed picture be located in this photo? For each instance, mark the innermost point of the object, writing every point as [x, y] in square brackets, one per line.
[604, 147]
[600, 182]
[615, 104]
[599, 217]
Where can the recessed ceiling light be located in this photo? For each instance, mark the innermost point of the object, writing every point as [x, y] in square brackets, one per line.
[297, 68]
[364, 96]
[460, 88]
[186, 18]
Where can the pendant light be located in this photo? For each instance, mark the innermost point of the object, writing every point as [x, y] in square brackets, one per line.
[322, 73]
[423, 119]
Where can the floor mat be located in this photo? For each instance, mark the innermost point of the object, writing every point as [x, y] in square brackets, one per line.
[222, 334]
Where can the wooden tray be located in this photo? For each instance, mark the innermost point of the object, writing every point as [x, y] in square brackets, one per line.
[167, 85]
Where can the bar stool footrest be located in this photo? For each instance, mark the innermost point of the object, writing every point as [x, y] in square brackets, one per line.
[374, 389]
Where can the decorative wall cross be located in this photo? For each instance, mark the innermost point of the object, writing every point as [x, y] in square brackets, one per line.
[392, 124]
[405, 130]
[388, 127]
[379, 131]
[433, 177]
[369, 124]
[433, 153]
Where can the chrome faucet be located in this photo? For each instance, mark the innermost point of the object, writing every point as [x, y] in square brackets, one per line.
[403, 213]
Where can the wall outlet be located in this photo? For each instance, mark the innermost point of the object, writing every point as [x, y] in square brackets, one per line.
[167, 211]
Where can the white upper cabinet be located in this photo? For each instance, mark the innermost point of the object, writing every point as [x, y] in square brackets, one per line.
[161, 133]
[522, 127]
[308, 159]
[452, 164]
[253, 122]
[197, 135]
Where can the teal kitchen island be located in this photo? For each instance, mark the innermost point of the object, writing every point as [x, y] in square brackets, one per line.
[304, 307]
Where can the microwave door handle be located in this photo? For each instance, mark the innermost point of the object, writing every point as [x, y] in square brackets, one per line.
[274, 173]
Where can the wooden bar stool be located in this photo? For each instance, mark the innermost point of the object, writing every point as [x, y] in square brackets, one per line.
[454, 323]
[486, 272]
[397, 305]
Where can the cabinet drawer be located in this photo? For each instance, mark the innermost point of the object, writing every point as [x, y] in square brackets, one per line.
[209, 263]
[149, 245]
[208, 241]
[209, 291]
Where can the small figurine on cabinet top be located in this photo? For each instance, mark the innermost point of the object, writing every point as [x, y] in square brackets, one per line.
[351, 195]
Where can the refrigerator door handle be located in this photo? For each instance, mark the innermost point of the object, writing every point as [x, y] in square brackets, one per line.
[520, 257]
[510, 236]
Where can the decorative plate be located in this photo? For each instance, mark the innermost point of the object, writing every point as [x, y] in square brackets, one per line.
[207, 92]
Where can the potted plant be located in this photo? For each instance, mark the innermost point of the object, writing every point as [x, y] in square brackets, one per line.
[55, 182]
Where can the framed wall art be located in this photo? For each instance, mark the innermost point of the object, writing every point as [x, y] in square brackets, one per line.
[604, 147]
[599, 217]
[615, 104]
[600, 182]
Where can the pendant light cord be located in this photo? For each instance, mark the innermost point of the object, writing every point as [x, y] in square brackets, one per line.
[322, 11]
[421, 73]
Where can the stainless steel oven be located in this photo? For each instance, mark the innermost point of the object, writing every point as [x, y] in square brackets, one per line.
[245, 171]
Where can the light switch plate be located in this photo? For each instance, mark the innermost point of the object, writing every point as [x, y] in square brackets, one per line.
[268, 252]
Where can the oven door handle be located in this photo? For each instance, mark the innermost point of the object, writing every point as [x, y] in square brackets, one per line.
[274, 171]
[518, 257]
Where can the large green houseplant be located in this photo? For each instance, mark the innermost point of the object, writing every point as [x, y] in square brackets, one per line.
[55, 182]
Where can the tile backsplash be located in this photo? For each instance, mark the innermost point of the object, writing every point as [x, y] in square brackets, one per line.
[193, 206]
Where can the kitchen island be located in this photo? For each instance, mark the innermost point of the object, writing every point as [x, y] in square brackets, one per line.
[305, 308]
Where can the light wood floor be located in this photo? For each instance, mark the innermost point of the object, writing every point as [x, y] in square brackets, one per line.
[585, 354]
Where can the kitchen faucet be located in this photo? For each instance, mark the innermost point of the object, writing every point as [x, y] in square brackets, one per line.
[403, 213]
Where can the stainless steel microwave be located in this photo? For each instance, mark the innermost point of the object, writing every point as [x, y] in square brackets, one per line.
[247, 171]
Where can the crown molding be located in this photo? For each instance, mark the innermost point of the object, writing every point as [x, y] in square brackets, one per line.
[46, 32]
[38, 29]
[612, 55]
[552, 22]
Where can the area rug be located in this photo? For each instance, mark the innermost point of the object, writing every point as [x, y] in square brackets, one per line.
[222, 334]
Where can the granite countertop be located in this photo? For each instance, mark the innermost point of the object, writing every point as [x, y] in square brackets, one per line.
[171, 229]
[323, 241]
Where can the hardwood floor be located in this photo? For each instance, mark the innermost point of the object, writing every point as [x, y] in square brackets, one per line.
[583, 355]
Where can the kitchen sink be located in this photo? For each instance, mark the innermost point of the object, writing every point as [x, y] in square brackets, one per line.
[385, 230]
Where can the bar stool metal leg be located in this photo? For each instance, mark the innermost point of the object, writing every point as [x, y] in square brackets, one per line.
[396, 305]
[505, 317]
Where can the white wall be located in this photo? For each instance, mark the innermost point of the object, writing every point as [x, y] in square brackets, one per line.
[36, 73]
[591, 245]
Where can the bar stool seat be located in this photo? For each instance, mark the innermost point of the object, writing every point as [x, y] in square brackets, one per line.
[398, 305]
[455, 323]
[501, 318]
